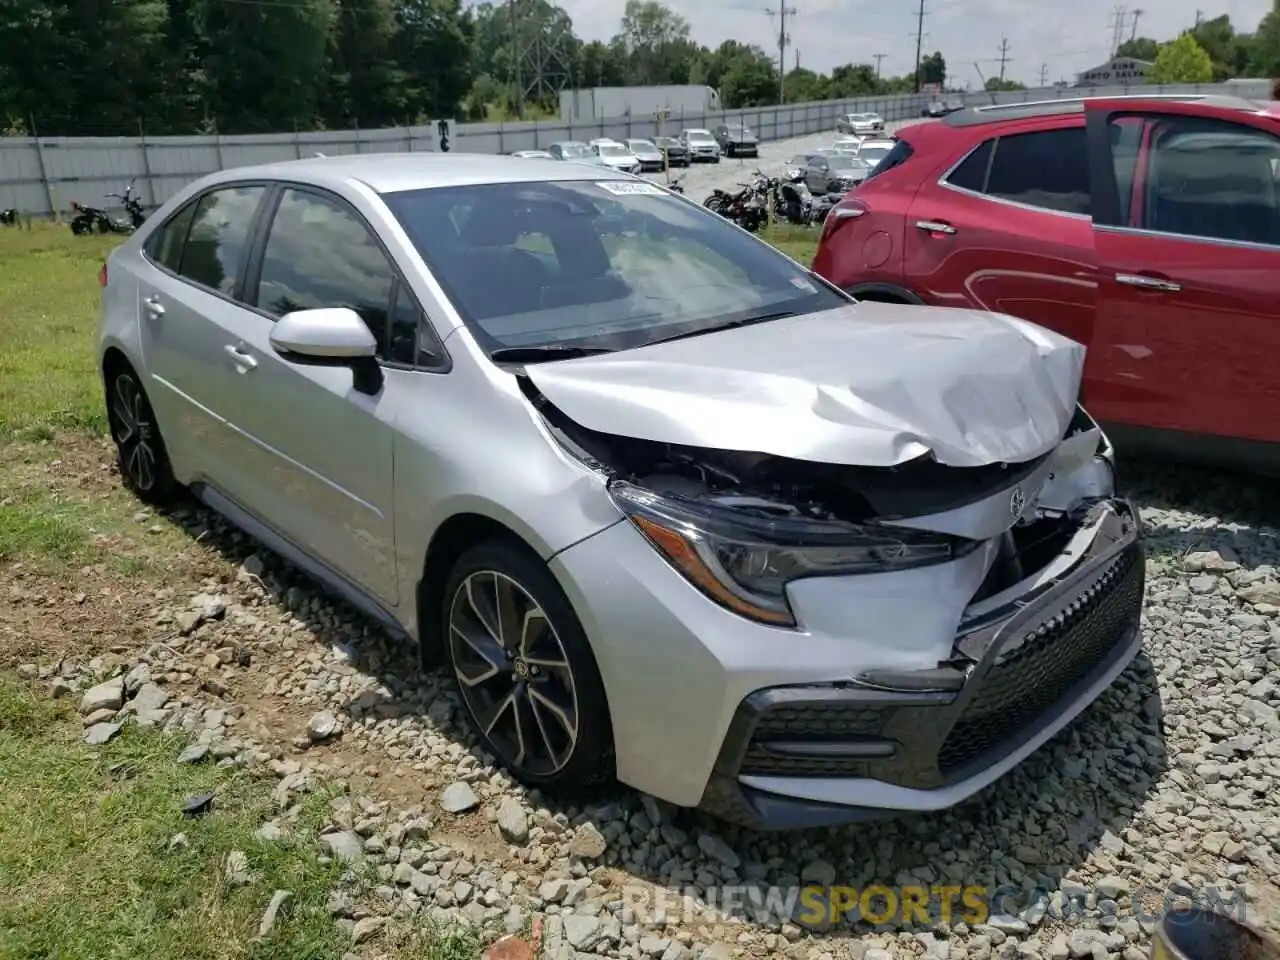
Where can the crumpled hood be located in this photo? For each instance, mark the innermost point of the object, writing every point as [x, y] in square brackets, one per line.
[869, 384]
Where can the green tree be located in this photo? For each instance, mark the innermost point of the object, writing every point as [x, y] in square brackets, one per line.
[933, 69]
[995, 84]
[1264, 60]
[647, 33]
[1139, 48]
[1182, 61]
[750, 80]
[853, 80]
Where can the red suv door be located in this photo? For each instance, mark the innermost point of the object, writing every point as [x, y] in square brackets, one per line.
[1187, 239]
[1006, 228]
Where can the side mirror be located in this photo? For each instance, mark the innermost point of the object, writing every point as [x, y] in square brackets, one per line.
[331, 336]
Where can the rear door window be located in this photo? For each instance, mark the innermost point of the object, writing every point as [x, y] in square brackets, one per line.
[1047, 169]
[971, 174]
[165, 245]
[219, 237]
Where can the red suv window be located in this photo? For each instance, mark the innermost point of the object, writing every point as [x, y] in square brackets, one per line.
[1047, 169]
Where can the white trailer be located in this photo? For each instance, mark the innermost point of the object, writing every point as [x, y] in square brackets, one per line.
[595, 103]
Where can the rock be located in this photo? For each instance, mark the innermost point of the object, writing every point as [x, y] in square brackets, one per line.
[322, 726]
[344, 846]
[194, 753]
[718, 850]
[458, 797]
[279, 900]
[588, 843]
[236, 871]
[101, 733]
[366, 929]
[513, 822]
[582, 932]
[105, 696]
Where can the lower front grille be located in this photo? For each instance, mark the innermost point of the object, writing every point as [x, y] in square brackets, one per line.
[810, 723]
[1048, 665]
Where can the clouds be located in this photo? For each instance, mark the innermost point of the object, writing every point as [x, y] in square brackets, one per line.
[1066, 37]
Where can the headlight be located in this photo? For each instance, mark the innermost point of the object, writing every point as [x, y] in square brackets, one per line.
[744, 562]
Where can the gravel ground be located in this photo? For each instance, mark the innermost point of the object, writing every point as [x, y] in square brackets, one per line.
[1167, 787]
[729, 174]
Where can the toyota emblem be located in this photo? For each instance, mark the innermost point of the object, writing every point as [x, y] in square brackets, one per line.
[1017, 503]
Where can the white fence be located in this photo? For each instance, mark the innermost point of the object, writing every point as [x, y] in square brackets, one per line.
[39, 176]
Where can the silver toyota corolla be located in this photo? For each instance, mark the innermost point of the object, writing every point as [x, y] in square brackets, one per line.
[669, 507]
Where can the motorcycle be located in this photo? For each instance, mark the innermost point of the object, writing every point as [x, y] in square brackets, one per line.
[9, 217]
[795, 203]
[96, 220]
[748, 208]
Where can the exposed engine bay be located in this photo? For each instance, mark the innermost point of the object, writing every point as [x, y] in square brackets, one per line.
[771, 486]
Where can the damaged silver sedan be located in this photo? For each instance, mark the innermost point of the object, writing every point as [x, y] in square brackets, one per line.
[670, 508]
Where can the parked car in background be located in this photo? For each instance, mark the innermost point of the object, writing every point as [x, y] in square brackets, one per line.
[1165, 267]
[848, 144]
[737, 140]
[676, 152]
[533, 154]
[647, 152]
[701, 145]
[860, 123]
[615, 155]
[873, 151]
[883, 601]
[572, 150]
[830, 171]
[934, 108]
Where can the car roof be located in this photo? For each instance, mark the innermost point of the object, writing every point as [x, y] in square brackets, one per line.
[973, 116]
[394, 172]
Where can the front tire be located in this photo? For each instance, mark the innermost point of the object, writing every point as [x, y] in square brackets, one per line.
[140, 450]
[523, 664]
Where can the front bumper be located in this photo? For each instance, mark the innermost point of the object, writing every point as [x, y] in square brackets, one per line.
[704, 153]
[794, 755]
[770, 728]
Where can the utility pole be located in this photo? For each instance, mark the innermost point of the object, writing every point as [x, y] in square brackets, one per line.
[879, 57]
[1133, 33]
[1117, 29]
[782, 13]
[1199, 18]
[1044, 75]
[516, 56]
[919, 41]
[1004, 56]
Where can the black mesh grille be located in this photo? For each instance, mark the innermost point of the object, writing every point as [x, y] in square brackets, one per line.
[828, 723]
[1048, 665]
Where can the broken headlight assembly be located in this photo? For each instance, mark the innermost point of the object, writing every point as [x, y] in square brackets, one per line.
[744, 558]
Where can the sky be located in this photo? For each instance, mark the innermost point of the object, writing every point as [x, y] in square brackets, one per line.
[1063, 37]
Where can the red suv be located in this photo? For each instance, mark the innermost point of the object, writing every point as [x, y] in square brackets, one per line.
[1146, 228]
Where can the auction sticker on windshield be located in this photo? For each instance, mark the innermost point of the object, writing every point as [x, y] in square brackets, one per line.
[623, 188]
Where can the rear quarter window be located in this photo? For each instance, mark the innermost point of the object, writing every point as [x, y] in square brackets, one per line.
[896, 157]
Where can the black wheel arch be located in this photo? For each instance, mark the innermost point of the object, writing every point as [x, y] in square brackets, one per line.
[884, 293]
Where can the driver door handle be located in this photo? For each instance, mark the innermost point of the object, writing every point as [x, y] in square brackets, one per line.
[155, 309]
[935, 226]
[1147, 282]
[243, 361]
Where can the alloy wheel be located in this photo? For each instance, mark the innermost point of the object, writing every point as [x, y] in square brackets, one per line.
[133, 432]
[514, 674]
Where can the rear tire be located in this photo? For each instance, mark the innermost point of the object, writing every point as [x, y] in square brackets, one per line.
[140, 449]
[529, 682]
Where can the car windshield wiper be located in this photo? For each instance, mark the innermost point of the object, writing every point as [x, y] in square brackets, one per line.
[730, 325]
[544, 351]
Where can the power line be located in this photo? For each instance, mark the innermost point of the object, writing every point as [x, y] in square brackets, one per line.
[919, 41]
[782, 13]
[1004, 56]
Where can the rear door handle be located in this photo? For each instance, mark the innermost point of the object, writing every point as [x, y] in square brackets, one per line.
[154, 307]
[1147, 283]
[243, 361]
[935, 226]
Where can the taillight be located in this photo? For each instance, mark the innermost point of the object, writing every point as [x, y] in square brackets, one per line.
[842, 212]
[102, 275]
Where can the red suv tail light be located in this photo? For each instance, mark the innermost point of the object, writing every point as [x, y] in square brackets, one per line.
[102, 275]
[844, 211]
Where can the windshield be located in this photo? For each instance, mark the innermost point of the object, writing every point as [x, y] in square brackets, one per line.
[606, 264]
[873, 155]
[611, 150]
[699, 135]
[575, 150]
[843, 161]
[640, 145]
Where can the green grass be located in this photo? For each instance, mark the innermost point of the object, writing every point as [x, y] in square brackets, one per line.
[89, 867]
[798, 243]
[48, 315]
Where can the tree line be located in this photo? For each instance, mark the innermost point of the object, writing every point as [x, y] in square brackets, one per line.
[120, 67]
